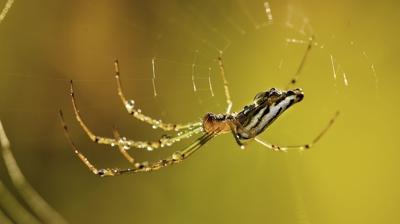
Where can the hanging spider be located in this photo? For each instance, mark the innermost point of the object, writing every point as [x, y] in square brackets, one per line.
[245, 125]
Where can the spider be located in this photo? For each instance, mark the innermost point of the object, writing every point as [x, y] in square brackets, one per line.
[244, 125]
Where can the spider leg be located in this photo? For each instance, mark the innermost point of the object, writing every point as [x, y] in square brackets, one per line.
[300, 147]
[236, 137]
[293, 81]
[163, 141]
[226, 87]
[122, 147]
[175, 158]
[137, 113]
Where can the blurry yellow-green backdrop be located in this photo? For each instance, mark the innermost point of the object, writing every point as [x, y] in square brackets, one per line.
[351, 176]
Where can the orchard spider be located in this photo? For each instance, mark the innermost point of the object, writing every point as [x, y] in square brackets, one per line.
[245, 125]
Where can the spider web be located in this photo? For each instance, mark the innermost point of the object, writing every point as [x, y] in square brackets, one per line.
[179, 53]
[160, 65]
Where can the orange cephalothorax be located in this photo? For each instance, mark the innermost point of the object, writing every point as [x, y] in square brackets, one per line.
[220, 123]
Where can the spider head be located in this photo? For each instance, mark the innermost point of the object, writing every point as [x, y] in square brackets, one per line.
[275, 96]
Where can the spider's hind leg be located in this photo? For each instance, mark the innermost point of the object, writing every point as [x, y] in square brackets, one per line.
[300, 147]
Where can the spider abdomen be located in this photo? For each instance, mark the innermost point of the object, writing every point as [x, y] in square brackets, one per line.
[255, 118]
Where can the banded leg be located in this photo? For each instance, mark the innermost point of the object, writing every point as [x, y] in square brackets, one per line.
[122, 147]
[293, 81]
[226, 87]
[150, 145]
[137, 113]
[175, 158]
[300, 147]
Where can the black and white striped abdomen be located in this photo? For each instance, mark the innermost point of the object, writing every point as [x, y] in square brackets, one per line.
[255, 119]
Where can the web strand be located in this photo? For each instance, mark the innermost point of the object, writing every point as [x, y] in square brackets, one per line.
[269, 13]
[153, 80]
[5, 10]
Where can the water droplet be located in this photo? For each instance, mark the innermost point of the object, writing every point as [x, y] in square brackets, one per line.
[177, 156]
[130, 104]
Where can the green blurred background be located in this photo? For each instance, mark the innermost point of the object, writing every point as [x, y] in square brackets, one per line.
[351, 176]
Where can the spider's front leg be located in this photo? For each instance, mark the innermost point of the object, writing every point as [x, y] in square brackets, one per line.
[137, 113]
[150, 145]
[122, 147]
[175, 158]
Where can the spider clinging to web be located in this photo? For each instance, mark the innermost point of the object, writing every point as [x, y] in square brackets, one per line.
[244, 125]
